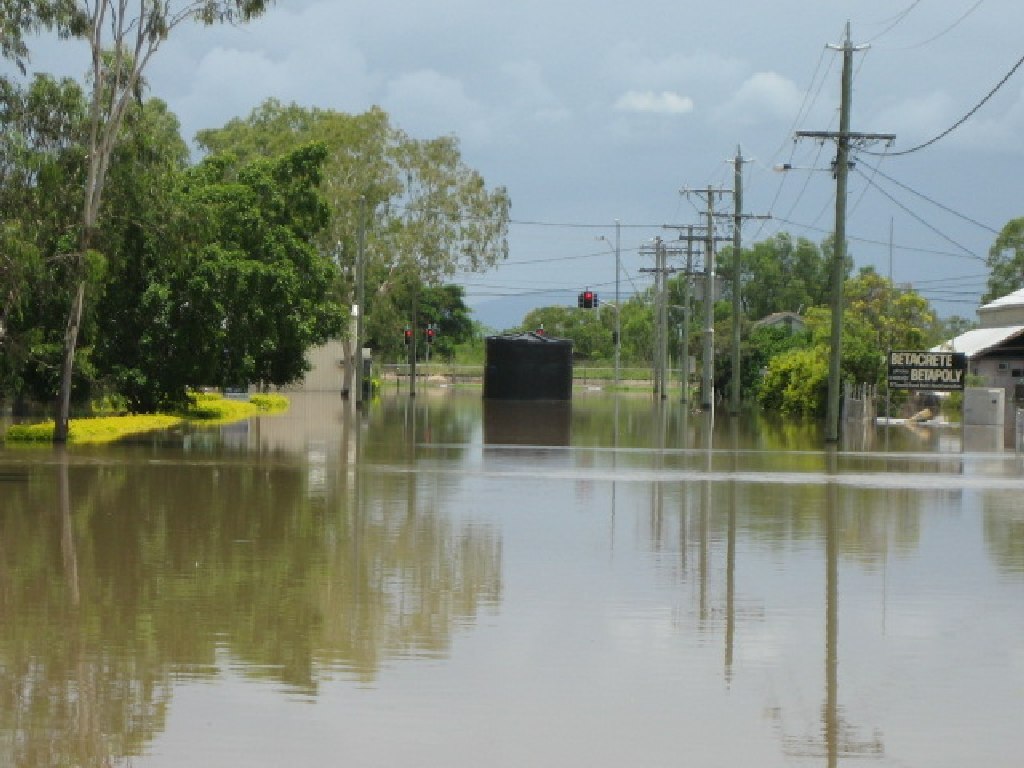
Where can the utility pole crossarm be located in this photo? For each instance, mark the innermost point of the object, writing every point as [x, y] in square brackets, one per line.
[844, 139]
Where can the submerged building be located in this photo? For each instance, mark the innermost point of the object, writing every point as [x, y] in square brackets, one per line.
[995, 350]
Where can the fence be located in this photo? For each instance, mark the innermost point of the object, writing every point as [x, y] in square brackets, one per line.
[859, 402]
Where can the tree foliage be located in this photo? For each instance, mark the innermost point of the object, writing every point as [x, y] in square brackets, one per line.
[780, 275]
[231, 290]
[42, 125]
[1006, 261]
[122, 37]
[424, 214]
[591, 330]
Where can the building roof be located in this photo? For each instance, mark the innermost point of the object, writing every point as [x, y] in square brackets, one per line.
[973, 343]
[780, 317]
[1015, 299]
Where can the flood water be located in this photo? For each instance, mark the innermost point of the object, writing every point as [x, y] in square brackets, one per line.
[444, 582]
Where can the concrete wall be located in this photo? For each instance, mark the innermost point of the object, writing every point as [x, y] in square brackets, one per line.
[999, 373]
[327, 369]
[1001, 316]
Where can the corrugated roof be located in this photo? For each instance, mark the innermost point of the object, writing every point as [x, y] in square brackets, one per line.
[1014, 299]
[974, 342]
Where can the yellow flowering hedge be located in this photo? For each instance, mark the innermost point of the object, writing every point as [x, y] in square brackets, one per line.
[204, 407]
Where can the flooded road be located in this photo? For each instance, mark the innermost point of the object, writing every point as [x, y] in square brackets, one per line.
[449, 582]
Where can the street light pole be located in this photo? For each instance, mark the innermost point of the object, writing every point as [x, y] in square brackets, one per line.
[618, 308]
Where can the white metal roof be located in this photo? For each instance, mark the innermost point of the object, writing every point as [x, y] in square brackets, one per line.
[981, 339]
[1009, 300]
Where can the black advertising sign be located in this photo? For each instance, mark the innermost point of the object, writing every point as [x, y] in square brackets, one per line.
[933, 371]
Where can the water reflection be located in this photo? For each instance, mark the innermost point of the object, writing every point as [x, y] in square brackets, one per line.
[515, 589]
[122, 575]
[517, 422]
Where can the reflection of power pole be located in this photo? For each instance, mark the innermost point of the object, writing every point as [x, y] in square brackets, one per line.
[844, 140]
[836, 739]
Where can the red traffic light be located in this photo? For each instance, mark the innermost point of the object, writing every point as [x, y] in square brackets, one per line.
[430, 333]
[408, 335]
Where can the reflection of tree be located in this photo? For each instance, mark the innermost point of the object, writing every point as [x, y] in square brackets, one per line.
[1004, 532]
[174, 564]
[399, 422]
[76, 687]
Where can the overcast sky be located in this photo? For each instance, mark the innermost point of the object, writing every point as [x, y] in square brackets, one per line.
[591, 112]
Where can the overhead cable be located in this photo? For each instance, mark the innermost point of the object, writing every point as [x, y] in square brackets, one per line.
[937, 204]
[913, 215]
[958, 123]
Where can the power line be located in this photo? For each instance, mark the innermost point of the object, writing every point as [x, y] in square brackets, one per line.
[578, 225]
[896, 20]
[948, 29]
[959, 122]
[901, 185]
[869, 241]
[913, 215]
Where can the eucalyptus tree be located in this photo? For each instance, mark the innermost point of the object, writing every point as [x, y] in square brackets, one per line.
[41, 174]
[123, 37]
[425, 215]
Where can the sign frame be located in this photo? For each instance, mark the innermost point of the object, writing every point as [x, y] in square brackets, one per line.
[926, 370]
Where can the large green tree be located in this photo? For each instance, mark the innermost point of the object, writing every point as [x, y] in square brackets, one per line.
[780, 274]
[1006, 261]
[230, 289]
[122, 37]
[41, 172]
[423, 213]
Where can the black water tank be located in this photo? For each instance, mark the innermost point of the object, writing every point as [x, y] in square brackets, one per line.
[528, 366]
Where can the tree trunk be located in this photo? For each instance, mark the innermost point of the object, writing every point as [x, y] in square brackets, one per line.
[60, 427]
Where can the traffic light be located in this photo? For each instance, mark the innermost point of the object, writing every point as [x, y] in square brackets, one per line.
[430, 333]
[408, 335]
[587, 299]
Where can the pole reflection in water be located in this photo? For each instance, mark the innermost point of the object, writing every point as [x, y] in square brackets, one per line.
[838, 739]
[730, 555]
[429, 598]
[706, 505]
